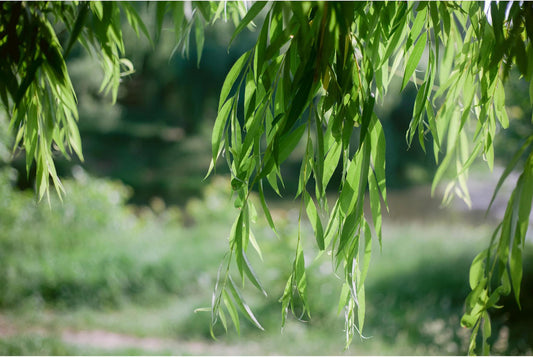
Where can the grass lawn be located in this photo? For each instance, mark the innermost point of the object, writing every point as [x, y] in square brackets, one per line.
[130, 286]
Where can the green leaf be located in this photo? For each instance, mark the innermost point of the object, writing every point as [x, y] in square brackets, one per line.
[348, 194]
[312, 214]
[343, 298]
[205, 9]
[75, 32]
[509, 168]
[259, 53]
[161, 9]
[299, 103]
[515, 268]
[300, 276]
[486, 332]
[232, 312]
[375, 205]
[224, 321]
[250, 92]
[250, 15]
[255, 245]
[245, 309]
[178, 15]
[288, 142]
[333, 224]
[97, 8]
[41, 176]
[219, 9]
[393, 43]
[75, 139]
[418, 24]
[31, 137]
[200, 39]
[266, 211]
[348, 231]
[252, 275]
[318, 167]
[286, 299]
[27, 81]
[232, 76]
[272, 178]
[414, 59]
[378, 148]
[477, 269]
[526, 194]
[135, 21]
[361, 308]
[219, 129]
[331, 162]
[367, 250]
[305, 168]
[499, 101]
[368, 112]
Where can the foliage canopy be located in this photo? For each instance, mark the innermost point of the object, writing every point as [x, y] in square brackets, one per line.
[313, 77]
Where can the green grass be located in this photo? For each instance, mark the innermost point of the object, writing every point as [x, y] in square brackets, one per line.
[93, 264]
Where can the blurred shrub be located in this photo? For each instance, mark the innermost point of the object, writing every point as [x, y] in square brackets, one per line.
[33, 346]
[93, 249]
[89, 249]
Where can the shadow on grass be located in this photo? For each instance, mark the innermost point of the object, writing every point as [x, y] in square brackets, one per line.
[422, 308]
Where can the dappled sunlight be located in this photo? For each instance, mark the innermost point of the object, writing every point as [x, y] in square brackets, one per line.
[266, 178]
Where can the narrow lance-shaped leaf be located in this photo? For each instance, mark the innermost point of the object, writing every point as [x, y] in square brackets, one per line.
[232, 312]
[200, 38]
[250, 15]
[231, 77]
[79, 23]
[375, 204]
[414, 59]
[245, 309]
[252, 275]
[266, 211]
[217, 136]
[314, 218]
[135, 21]
[286, 299]
[509, 168]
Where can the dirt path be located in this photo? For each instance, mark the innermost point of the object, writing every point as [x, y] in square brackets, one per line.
[112, 341]
[115, 341]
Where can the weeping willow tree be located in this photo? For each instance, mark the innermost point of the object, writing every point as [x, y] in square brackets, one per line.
[313, 78]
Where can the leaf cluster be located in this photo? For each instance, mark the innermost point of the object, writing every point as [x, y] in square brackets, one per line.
[36, 91]
[311, 81]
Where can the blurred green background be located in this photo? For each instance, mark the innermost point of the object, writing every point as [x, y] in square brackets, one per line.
[121, 265]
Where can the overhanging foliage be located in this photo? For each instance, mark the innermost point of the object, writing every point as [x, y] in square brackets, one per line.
[313, 77]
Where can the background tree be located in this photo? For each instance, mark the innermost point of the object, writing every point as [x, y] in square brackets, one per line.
[314, 76]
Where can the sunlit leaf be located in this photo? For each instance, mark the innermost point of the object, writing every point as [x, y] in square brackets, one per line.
[219, 128]
[135, 20]
[509, 168]
[245, 309]
[250, 15]
[414, 59]
[252, 275]
[200, 39]
[477, 269]
[314, 219]
[232, 76]
[232, 312]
